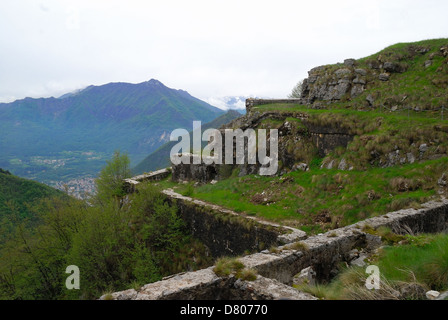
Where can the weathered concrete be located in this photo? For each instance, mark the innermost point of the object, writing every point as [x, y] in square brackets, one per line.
[323, 252]
[257, 102]
[206, 285]
[130, 184]
[192, 171]
[226, 232]
[327, 142]
[432, 217]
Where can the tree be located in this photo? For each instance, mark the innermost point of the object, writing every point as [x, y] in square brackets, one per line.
[296, 92]
[109, 183]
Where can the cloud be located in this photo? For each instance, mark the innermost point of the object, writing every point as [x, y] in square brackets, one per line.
[43, 7]
[207, 47]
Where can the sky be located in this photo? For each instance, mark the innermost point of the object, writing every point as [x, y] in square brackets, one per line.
[210, 48]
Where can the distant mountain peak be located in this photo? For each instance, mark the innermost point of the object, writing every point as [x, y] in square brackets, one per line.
[154, 82]
[75, 92]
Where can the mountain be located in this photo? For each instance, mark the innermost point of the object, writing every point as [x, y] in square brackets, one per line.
[161, 157]
[17, 196]
[61, 139]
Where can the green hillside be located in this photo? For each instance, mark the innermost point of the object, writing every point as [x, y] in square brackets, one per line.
[58, 139]
[17, 198]
[161, 157]
[381, 154]
[404, 76]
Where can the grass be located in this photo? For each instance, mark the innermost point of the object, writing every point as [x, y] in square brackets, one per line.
[356, 120]
[350, 285]
[247, 274]
[418, 265]
[227, 266]
[424, 259]
[320, 199]
[416, 86]
[298, 246]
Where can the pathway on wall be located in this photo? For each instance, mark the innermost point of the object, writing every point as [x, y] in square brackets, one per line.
[290, 235]
[276, 270]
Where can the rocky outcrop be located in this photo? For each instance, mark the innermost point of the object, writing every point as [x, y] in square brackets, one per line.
[348, 80]
[334, 84]
[298, 142]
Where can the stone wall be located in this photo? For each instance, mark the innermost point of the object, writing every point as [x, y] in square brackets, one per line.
[324, 138]
[257, 102]
[129, 184]
[223, 231]
[227, 233]
[194, 172]
[206, 285]
[276, 270]
[327, 142]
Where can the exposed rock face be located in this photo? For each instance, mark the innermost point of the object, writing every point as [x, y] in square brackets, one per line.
[384, 76]
[326, 142]
[306, 276]
[347, 80]
[196, 172]
[330, 86]
[394, 67]
[298, 142]
[324, 84]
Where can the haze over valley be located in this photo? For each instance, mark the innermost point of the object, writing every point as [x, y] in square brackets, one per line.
[65, 141]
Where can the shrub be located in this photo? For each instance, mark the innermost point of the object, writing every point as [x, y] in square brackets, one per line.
[225, 171]
[298, 246]
[189, 190]
[247, 274]
[403, 184]
[226, 266]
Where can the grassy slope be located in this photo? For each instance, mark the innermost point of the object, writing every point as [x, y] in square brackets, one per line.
[419, 86]
[322, 199]
[420, 261]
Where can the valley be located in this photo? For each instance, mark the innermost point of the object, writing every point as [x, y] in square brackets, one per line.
[74, 169]
[362, 159]
[67, 140]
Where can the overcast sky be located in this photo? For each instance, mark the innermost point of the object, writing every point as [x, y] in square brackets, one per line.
[210, 48]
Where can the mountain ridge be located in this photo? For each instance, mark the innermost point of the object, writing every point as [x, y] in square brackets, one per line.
[132, 118]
